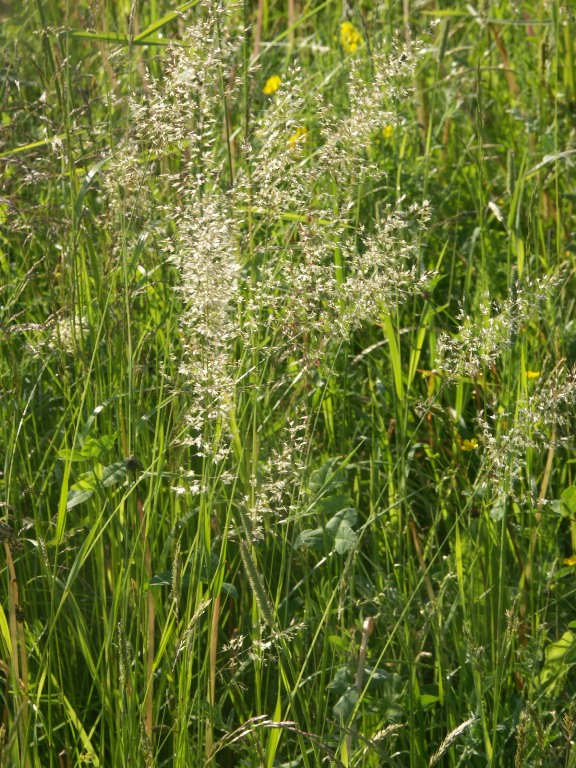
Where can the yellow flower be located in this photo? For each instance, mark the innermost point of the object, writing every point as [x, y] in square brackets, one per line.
[469, 445]
[570, 560]
[349, 37]
[297, 136]
[387, 131]
[532, 374]
[272, 85]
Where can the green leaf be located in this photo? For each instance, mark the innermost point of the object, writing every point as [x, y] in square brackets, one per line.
[376, 676]
[330, 505]
[427, 700]
[82, 490]
[94, 447]
[310, 539]
[326, 478]
[338, 642]
[347, 515]
[346, 703]
[340, 682]
[161, 579]
[558, 658]
[67, 454]
[88, 482]
[569, 500]
[337, 532]
[345, 538]
[76, 497]
[229, 590]
[340, 530]
[113, 473]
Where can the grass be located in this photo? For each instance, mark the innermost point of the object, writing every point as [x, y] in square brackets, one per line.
[287, 385]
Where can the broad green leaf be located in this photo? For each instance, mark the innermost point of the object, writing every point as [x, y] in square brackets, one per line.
[76, 497]
[559, 657]
[310, 539]
[569, 499]
[330, 505]
[94, 447]
[427, 700]
[338, 642]
[163, 579]
[337, 532]
[345, 538]
[82, 489]
[376, 677]
[346, 515]
[113, 473]
[325, 478]
[229, 589]
[88, 482]
[67, 454]
[346, 703]
[340, 529]
[340, 682]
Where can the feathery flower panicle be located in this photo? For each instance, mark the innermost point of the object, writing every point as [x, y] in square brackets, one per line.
[537, 423]
[125, 185]
[278, 181]
[205, 250]
[274, 490]
[346, 139]
[383, 273]
[312, 306]
[180, 115]
[479, 344]
[184, 108]
[271, 269]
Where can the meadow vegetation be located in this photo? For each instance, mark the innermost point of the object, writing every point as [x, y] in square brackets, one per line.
[287, 384]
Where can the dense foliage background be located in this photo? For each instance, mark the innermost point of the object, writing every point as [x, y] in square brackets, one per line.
[287, 384]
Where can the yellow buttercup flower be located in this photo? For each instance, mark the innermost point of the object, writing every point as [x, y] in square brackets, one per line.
[387, 131]
[272, 85]
[570, 560]
[532, 374]
[469, 445]
[297, 136]
[350, 38]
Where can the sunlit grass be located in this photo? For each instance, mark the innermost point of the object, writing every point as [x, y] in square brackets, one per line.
[287, 348]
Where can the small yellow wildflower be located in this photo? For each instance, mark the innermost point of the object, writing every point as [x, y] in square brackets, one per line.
[272, 85]
[570, 560]
[469, 445]
[387, 131]
[297, 136]
[350, 38]
[532, 374]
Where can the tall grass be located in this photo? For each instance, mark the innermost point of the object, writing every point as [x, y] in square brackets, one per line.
[287, 385]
